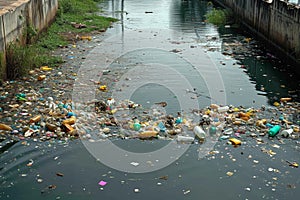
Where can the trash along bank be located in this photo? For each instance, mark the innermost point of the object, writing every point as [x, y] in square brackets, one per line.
[31, 112]
[41, 112]
[39, 106]
[51, 162]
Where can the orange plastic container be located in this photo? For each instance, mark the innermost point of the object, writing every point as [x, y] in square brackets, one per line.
[70, 121]
[5, 127]
[35, 119]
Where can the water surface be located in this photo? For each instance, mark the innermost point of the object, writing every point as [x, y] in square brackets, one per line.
[248, 80]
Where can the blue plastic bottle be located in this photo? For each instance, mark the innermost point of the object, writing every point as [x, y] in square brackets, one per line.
[274, 130]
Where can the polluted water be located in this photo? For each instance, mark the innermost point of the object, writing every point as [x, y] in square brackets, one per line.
[242, 149]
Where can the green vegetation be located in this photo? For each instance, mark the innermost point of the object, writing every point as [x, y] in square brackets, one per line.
[20, 59]
[217, 16]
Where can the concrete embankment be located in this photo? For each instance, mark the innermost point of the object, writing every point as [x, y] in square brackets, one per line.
[276, 21]
[18, 17]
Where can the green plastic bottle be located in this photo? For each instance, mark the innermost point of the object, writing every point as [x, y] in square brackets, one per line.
[274, 131]
[136, 125]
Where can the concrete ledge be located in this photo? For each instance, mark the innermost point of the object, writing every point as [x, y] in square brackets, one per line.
[16, 16]
[276, 21]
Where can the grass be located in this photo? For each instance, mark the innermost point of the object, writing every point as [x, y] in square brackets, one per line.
[20, 59]
[217, 16]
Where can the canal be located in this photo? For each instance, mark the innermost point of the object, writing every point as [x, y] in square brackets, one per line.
[165, 51]
[252, 75]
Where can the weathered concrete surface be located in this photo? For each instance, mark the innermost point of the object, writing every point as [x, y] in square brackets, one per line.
[15, 18]
[276, 21]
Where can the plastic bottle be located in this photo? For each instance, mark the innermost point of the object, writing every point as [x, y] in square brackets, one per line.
[199, 132]
[285, 99]
[212, 130]
[221, 126]
[21, 97]
[35, 119]
[161, 127]
[178, 120]
[238, 122]
[70, 114]
[281, 118]
[286, 133]
[136, 126]
[269, 125]
[181, 138]
[5, 127]
[41, 77]
[274, 131]
[261, 123]
[70, 121]
[242, 114]
[214, 106]
[45, 68]
[223, 109]
[228, 131]
[235, 141]
[69, 129]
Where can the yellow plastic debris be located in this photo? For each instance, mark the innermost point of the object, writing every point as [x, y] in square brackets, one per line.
[69, 129]
[89, 38]
[147, 134]
[244, 116]
[237, 122]
[5, 127]
[293, 164]
[103, 87]
[41, 77]
[285, 99]
[296, 129]
[271, 153]
[70, 121]
[247, 40]
[287, 122]
[14, 106]
[35, 119]
[214, 106]
[229, 173]
[207, 112]
[261, 123]
[235, 141]
[113, 111]
[276, 104]
[46, 68]
[236, 110]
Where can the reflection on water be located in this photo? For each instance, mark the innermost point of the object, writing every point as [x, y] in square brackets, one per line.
[249, 81]
[150, 93]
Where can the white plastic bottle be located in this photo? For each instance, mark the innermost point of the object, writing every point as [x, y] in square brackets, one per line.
[181, 138]
[286, 133]
[223, 109]
[199, 132]
[228, 131]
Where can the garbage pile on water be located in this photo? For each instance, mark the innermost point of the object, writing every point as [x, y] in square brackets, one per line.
[30, 114]
[28, 111]
[225, 122]
[39, 106]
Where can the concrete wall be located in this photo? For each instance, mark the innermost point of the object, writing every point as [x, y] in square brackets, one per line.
[276, 21]
[17, 16]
